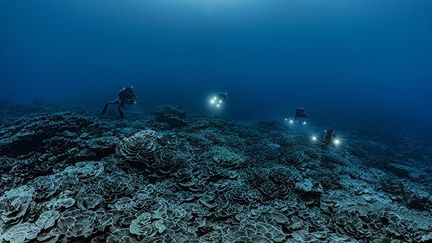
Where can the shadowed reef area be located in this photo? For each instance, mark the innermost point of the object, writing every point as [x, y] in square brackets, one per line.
[165, 177]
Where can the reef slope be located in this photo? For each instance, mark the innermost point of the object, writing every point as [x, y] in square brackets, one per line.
[72, 177]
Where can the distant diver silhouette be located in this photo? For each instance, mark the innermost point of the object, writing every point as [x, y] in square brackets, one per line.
[218, 99]
[222, 96]
[126, 96]
[300, 114]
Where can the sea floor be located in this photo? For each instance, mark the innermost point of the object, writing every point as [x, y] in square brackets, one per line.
[77, 177]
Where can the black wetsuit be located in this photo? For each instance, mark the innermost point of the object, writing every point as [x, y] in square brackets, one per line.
[222, 96]
[126, 96]
[300, 114]
[329, 136]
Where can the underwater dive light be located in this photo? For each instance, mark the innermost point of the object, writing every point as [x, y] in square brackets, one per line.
[314, 138]
[336, 141]
[216, 101]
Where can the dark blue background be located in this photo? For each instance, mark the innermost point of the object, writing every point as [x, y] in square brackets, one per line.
[335, 57]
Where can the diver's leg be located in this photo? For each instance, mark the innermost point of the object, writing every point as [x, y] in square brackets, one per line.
[104, 109]
[120, 111]
[106, 106]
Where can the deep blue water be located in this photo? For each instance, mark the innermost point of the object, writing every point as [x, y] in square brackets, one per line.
[337, 58]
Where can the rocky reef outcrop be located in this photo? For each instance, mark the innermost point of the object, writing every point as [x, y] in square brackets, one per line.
[67, 177]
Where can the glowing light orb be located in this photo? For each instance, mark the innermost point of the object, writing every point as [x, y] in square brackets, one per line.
[336, 141]
[291, 121]
[216, 102]
[304, 123]
[314, 138]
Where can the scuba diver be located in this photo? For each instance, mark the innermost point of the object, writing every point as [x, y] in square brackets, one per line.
[300, 114]
[222, 96]
[329, 136]
[219, 99]
[126, 96]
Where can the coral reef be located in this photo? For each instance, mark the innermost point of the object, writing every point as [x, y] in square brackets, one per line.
[154, 153]
[67, 177]
[174, 117]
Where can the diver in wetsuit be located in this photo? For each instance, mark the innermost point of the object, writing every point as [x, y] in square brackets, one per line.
[219, 99]
[300, 114]
[222, 96]
[126, 96]
[329, 136]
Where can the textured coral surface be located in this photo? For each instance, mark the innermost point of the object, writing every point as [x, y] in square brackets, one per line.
[72, 177]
